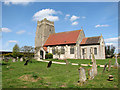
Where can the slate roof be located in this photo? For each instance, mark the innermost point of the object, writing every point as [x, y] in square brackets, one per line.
[69, 37]
[90, 40]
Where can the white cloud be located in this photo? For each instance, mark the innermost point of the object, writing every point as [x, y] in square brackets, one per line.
[101, 25]
[83, 17]
[66, 16]
[115, 39]
[6, 30]
[73, 18]
[12, 41]
[21, 32]
[46, 13]
[75, 23]
[109, 44]
[16, 2]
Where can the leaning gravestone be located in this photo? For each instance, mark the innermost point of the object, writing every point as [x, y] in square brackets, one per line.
[104, 67]
[21, 59]
[90, 74]
[116, 63]
[49, 64]
[82, 76]
[109, 65]
[94, 66]
[26, 62]
[66, 61]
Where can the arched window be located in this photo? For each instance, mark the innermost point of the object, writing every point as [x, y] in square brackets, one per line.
[62, 50]
[72, 50]
[95, 51]
[53, 50]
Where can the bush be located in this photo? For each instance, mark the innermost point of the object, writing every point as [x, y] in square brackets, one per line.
[49, 56]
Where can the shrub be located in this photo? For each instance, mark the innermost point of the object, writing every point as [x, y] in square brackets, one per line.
[48, 56]
[98, 65]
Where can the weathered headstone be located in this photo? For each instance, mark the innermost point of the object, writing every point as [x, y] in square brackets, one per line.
[82, 76]
[104, 67]
[90, 74]
[116, 63]
[26, 62]
[13, 60]
[49, 64]
[109, 65]
[21, 59]
[94, 66]
[17, 59]
[66, 61]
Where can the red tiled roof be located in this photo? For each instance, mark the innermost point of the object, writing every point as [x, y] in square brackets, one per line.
[62, 38]
[45, 48]
[90, 40]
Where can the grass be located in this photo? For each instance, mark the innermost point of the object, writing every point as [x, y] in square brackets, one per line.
[87, 61]
[37, 75]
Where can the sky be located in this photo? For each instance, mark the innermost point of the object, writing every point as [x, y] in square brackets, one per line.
[19, 20]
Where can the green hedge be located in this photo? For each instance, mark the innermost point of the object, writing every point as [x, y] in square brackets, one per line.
[49, 56]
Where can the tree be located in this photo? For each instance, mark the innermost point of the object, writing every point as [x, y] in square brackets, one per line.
[28, 51]
[109, 51]
[58, 52]
[16, 51]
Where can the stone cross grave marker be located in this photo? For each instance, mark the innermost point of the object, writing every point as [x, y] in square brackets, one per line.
[49, 64]
[104, 67]
[82, 76]
[21, 59]
[116, 63]
[109, 65]
[90, 74]
[94, 66]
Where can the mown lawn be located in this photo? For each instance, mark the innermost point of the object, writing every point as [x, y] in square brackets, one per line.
[87, 61]
[37, 75]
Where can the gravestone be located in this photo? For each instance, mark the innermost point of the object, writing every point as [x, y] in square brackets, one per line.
[109, 65]
[104, 67]
[49, 64]
[90, 74]
[13, 60]
[116, 63]
[94, 66]
[66, 61]
[26, 62]
[82, 76]
[21, 59]
[17, 59]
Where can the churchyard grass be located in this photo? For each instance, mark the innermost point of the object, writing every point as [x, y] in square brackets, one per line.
[37, 75]
[87, 61]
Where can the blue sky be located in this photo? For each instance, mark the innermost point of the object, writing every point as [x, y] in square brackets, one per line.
[19, 20]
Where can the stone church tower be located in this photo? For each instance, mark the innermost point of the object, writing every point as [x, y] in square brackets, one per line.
[44, 29]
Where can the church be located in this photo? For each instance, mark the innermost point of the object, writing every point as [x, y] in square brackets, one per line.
[66, 45]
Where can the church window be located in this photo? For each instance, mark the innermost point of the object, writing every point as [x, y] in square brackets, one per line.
[72, 50]
[95, 51]
[53, 51]
[83, 51]
[62, 50]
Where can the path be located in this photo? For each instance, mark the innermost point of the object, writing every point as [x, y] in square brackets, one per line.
[71, 63]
